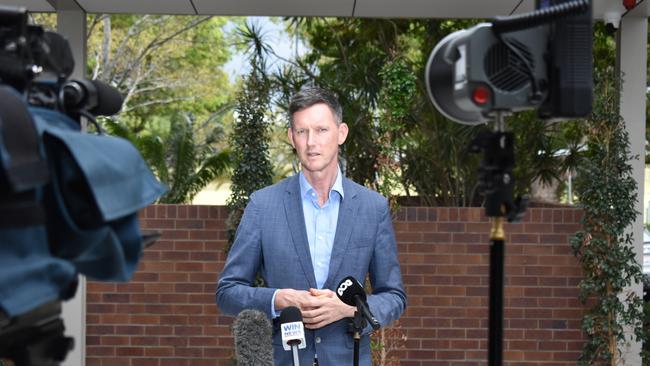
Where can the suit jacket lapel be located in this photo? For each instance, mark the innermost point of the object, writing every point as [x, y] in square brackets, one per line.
[347, 212]
[296, 221]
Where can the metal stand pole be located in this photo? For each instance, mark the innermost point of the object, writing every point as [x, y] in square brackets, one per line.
[496, 183]
[495, 326]
[355, 327]
[358, 323]
[357, 338]
[296, 359]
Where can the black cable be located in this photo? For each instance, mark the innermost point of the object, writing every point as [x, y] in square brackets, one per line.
[538, 17]
[516, 7]
[194, 7]
[93, 120]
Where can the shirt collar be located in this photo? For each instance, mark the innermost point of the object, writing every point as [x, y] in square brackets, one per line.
[306, 188]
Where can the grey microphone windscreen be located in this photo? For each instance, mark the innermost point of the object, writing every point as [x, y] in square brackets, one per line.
[253, 339]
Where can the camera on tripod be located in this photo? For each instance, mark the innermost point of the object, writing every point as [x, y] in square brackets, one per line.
[68, 200]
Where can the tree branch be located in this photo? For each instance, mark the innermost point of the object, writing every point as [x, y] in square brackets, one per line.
[156, 102]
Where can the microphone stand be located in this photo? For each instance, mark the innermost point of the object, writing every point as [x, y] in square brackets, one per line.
[356, 327]
[294, 352]
[496, 182]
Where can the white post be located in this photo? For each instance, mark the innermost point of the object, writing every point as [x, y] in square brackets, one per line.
[632, 60]
[71, 23]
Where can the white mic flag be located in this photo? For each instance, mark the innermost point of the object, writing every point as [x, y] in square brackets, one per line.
[292, 328]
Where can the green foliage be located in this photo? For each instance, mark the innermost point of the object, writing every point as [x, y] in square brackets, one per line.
[646, 320]
[176, 95]
[604, 247]
[184, 164]
[161, 64]
[45, 20]
[395, 98]
[544, 151]
[385, 343]
[605, 57]
[249, 142]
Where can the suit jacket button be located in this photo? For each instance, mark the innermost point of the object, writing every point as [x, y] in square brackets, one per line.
[317, 339]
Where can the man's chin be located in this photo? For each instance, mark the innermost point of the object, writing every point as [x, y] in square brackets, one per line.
[312, 168]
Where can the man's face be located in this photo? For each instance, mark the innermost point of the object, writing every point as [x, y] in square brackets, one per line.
[316, 137]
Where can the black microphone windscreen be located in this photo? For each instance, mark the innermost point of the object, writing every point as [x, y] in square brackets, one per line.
[253, 339]
[290, 314]
[348, 289]
[109, 99]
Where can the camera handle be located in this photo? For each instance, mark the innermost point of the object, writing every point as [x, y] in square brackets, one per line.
[35, 338]
[496, 182]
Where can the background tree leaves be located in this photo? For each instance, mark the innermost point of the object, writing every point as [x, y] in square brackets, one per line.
[177, 98]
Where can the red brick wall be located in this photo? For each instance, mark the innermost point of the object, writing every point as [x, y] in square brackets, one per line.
[166, 315]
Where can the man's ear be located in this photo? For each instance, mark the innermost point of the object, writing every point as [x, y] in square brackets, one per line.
[343, 132]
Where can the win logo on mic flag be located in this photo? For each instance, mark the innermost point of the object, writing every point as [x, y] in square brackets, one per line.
[293, 333]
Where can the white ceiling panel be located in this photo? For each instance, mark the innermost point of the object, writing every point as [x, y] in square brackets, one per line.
[275, 7]
[360, 8]
[138, 6]
[475, 8]
[439, 8]
[31, 5]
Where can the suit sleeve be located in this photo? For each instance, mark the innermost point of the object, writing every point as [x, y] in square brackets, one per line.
[388, 299]
[235, 291]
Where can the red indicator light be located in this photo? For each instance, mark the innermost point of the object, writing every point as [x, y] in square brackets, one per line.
[481, 95]
[629, 4]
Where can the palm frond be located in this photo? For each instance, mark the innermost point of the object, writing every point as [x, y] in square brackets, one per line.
[212, 168]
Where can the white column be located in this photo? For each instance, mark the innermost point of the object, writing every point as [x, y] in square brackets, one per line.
[71, 23]
[632, 58]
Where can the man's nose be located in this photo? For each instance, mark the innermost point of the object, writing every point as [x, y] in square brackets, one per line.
[311, 138]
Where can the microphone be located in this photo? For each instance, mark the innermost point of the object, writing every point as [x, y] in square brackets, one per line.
[95, 96]
[351, 292]
[293, 332]
[253, 339]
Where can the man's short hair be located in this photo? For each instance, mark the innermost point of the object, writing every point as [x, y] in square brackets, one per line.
[310, 96]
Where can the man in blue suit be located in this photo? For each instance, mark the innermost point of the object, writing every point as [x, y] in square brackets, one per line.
[308, 232]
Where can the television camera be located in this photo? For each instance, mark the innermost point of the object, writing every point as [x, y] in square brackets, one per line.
[68, 200]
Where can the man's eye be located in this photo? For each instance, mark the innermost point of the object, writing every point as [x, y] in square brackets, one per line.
[322, 130]
[300, 132]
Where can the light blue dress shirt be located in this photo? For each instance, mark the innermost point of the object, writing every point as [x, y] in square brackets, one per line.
[320, 223]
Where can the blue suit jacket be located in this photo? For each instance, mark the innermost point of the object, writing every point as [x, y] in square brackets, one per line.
[272, 240]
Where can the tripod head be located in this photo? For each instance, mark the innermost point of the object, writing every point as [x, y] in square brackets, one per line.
[495, 174]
